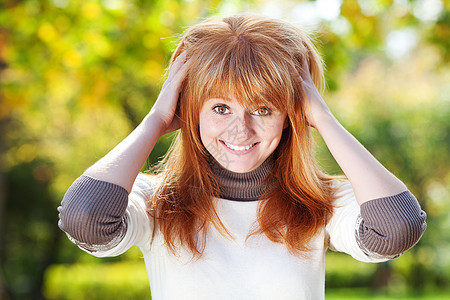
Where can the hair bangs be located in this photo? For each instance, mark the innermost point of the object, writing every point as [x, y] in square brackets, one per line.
[237, 68]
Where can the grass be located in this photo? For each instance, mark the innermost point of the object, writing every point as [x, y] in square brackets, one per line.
[365, 293]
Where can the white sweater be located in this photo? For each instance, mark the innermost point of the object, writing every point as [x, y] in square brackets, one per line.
[241, 268]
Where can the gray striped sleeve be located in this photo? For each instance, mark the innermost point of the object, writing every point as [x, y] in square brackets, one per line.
[92, 213]
[389, 226]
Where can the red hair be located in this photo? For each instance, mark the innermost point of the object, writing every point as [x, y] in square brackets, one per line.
[259, 61]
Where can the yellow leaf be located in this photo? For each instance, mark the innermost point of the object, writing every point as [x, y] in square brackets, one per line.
[91, 10]
[46, 32]
[73, 58]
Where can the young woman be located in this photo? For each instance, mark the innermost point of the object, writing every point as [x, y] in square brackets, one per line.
[240, 209]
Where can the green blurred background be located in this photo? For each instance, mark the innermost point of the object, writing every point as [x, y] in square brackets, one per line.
[77, 76]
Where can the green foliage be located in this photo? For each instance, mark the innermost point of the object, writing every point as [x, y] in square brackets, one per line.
[122, 280]
[365, 293]
[343, 271]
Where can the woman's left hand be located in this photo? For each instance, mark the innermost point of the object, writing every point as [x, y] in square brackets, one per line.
[369, 179]
[317, 109]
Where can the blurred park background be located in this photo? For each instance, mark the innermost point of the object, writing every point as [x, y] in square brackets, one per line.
[77, 76]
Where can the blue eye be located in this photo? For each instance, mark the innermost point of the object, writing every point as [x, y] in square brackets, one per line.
[221, 109]
[262, 111]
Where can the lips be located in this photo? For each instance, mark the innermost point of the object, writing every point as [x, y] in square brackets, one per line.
[237, 148]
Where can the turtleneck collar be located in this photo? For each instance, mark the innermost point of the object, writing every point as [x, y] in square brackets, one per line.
[247, 186]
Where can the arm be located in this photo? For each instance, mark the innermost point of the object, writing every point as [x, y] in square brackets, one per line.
[370, 179]
[102, 219]
[379, 230]
[391, 219]
[123, 163]
[93, 211]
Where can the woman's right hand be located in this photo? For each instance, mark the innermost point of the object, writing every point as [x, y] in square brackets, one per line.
[166, 104]
[122, 164]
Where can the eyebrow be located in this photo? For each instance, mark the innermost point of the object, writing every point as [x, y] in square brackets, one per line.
[258, 105]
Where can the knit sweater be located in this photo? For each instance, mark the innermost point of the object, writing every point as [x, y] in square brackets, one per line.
[102, 219]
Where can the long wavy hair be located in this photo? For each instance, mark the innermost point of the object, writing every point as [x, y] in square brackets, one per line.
[257, 60]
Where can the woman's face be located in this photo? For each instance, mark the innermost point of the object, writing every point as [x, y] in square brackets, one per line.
[240, 139]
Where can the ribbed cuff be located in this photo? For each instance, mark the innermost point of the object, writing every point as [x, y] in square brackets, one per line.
[92, 212]
[391, 225]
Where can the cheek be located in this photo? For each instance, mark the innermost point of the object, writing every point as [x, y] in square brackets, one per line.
[271, 130]
[210, 127]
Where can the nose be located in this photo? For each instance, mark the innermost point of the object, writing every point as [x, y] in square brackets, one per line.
[243, 125]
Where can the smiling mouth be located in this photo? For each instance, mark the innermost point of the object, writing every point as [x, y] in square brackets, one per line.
[238, 148]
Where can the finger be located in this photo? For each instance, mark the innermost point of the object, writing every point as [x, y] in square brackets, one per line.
[305, 68]
[305, 62]
[184, 68]
[177, 70]
[306, 73]
[178, 62]
[182, 72]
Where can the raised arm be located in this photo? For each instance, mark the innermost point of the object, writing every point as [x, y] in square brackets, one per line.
[93, 210]
[123, 163]
[369, 178]
[391, 218]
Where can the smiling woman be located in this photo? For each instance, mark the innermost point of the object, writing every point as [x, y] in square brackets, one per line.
[240, 209]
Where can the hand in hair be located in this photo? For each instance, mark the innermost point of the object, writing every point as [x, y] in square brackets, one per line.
[369, 179]
[123, 163]
[166, 104]
[317, 108]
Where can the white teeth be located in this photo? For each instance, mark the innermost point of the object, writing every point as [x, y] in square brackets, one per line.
[238, 148]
